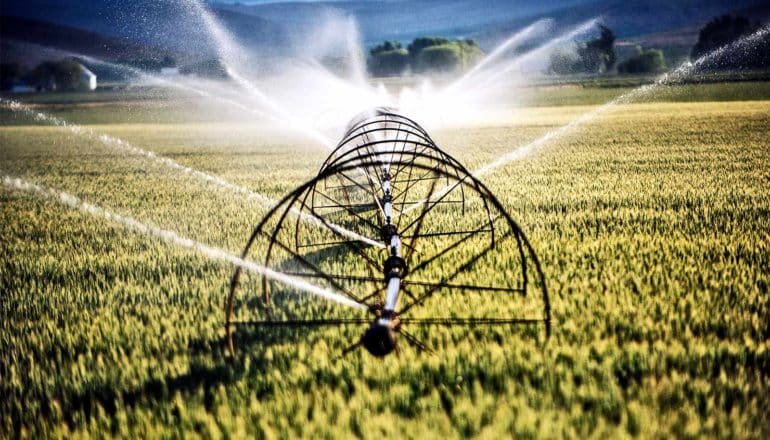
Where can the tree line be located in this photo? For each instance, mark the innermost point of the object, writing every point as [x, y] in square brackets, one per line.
[48, 75]
[423, 54]
[595, 56]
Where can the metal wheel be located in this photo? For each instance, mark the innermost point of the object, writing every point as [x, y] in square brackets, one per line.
[395, 224]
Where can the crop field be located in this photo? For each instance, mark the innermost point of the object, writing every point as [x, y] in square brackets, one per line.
[652, 224]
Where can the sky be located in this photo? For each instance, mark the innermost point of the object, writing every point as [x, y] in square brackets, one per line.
[260, 2]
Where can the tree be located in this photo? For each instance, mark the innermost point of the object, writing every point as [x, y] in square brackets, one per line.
[722, 31]
[470, 51]
[57, 75]
[564, 63]
[10, 73]
[644, 61]
[593, 56]
[388, 63]
[418, 44]
[386, 46]
[598, 55]
[212, 68]
[423, 54]
[718, 32]
[168, 61]
[441, 58]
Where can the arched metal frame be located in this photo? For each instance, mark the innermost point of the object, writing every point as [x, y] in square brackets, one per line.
[355, 160]
[380, 128]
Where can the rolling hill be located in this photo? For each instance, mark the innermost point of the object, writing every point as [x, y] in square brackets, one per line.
[490, 21]
[16, 31]
[165, 25]
[105, 28]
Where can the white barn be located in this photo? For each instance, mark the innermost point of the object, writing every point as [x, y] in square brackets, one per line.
[87, 79]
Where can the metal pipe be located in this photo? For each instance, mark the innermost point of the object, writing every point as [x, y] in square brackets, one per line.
[394, 265]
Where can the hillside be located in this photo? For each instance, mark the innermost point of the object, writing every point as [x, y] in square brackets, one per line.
[678, 42]
[167, 25]
[16, 30]
[268, 26]
[405, 20]
[490, 22]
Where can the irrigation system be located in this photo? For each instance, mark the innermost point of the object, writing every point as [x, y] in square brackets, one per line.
[459, 259]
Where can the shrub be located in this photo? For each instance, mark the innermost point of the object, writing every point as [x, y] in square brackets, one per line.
[724, 30]
[443, 58]
[387, 46]
[206, 69]
[644, 61]
[424, 54]
[421, 43]
[57, 75]
[593, 56]
[388, 63]
[9, 72]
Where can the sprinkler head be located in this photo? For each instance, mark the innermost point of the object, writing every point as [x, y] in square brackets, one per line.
[379, 340]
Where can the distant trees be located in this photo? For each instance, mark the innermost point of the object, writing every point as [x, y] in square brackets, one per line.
[388, 59]
[212, 68]
[386, 46]
[598, 55]
[593, 56]
[57, 75]
[723, 30]
[148, 64]
[168, 61]
[423, 54]
[9, 74]
[417, 46]
[447, 57]
[564, 62]
[441, 58]
[389, 63]
[643, 61]
[720, 31]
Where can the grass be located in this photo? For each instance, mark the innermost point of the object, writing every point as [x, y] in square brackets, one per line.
[651, 223]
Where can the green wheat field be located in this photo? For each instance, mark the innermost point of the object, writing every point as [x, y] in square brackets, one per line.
[652, 223]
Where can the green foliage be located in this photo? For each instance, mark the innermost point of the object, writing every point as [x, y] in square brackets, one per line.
[593, 56]
[644, 61]
[564, 63]
[57, 75]
[207, 69]
[724, 30]
[420, 43]
[441, 58]
[387, 46]
[598, 55]
[424, 54]
[168, 61]
[471, 53]
[9, 73]
[388, 63]
[651, 224]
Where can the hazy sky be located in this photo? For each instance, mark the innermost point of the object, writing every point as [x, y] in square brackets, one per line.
[253, 2]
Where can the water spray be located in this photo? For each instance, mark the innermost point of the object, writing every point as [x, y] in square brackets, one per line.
[155, 79]
[382, 163]
[231, 54]
[175, 239]
[520, 61]
[511, 43]
[677, 74]
[120, 144]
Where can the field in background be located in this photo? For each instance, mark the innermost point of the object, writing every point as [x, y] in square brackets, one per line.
[652, 224]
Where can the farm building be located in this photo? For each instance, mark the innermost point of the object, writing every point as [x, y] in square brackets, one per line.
[87, 79]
